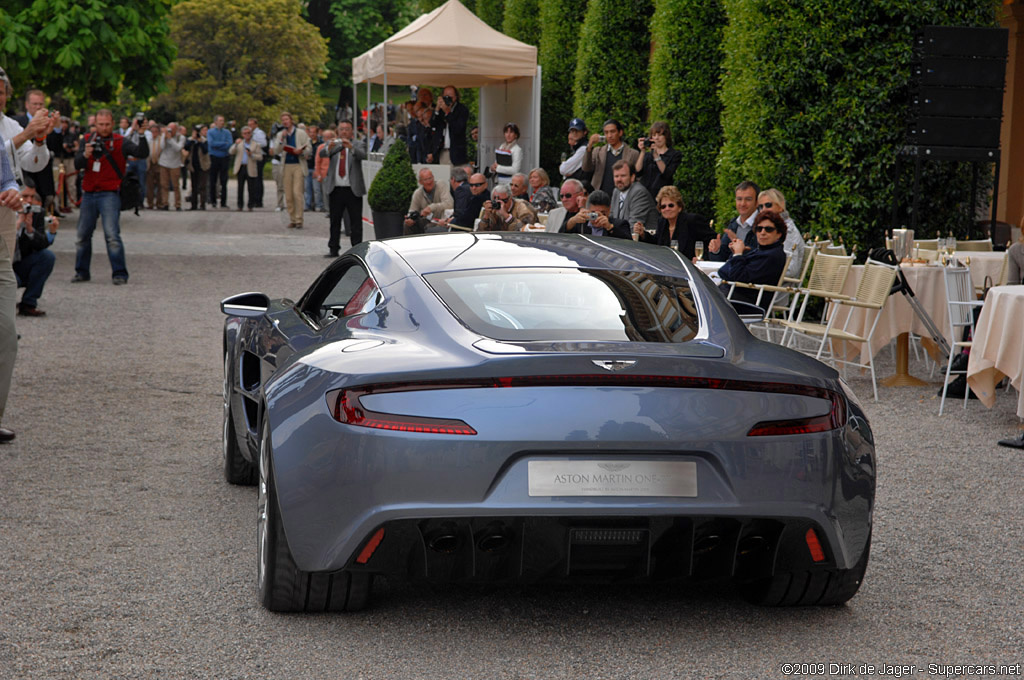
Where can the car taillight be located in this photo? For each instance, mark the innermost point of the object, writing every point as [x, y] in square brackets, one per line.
[834, 419]
[346, 407]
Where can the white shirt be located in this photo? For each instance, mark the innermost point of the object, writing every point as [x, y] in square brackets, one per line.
[259, 136]
[30, 158]
[573, 163]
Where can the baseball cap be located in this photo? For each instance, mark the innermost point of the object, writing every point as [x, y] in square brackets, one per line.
[577, 124]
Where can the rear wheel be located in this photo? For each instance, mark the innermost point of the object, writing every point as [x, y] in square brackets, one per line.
[237, 470]
[283, 587]
[808, 588]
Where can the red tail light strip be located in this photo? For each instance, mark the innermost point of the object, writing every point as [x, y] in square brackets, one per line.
[814, 545]
[346, 407]
[371, 547]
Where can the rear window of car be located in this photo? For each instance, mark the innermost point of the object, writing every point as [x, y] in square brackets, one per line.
[570, 304]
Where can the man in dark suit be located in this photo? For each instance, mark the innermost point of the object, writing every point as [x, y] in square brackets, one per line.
[631, 201]
[344, 186]
[469, 197]
[597, 219]
[449, 125]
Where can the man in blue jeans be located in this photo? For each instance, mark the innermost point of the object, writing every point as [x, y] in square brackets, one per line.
[218, 142]
[101, 160]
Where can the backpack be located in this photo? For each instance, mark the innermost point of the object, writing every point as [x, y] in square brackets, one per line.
[131, 191]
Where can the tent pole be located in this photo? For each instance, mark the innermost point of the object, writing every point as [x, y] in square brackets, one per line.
[366, 130]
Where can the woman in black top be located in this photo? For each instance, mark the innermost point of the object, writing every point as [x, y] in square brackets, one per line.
[676, 225]
[763, 264]
[658, 161]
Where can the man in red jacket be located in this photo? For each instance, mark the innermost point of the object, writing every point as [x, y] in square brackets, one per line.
[101, 159]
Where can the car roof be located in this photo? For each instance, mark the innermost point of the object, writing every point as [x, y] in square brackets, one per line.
[431, 253]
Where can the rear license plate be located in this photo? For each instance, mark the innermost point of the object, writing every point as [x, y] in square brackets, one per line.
[612, 478]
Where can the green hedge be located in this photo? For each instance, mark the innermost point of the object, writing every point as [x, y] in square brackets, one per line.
[491, 11]
[556, 54]
[611, 64]
[686, 65]
[815, 97]
[522, 21]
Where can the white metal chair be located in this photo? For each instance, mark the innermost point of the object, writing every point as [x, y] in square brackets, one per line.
[763, 289]
[962, 302]
[872, 294]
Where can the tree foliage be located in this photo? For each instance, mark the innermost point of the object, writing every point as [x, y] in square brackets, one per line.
[88, 50]
[492, 12]
[354, 26]
[611, 63]
[230, 62]
[522, 21]
[686, 65]
[560, 21]
[815, 103]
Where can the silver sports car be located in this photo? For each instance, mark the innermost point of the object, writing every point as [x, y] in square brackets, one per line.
[521, 407]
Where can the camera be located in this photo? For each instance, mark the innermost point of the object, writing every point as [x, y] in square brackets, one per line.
[593, 215]
[413, 215]
[140, 116]
[26, 208]
[448, 100]
[600, 138]
[97, 145]
[648, 144]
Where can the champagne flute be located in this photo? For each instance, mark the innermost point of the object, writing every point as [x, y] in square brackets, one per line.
[698, 249]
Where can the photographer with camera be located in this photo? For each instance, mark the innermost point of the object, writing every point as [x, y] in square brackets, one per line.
[599, 160]
[295, 148]
[102, 159]
[169, 165]
[656, 166]
[33, 261]
[596, 219]
[199, 158]
[505, 213]
[449, 126]
[26, 147]
[344, 186]
[429, 202]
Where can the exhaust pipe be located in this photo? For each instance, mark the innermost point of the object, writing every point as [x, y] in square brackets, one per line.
[444, 540]
[752, 544]
[494, 537]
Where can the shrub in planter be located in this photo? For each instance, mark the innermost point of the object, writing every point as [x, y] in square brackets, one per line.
[391, 191]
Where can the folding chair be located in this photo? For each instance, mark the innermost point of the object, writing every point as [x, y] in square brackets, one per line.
[872, 294]
[979, 246]
[962, 302]
[826, 281]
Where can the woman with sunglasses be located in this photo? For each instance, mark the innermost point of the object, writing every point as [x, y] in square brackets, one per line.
[793, 244]
[763, 264]
[676, 225]
[510, 154]
[658, 161]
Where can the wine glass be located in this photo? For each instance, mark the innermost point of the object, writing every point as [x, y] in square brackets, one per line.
[698, 249]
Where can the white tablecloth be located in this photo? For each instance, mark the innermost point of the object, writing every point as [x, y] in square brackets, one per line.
[998, 347]
[897, 314]
[982, 264]
[711, 269]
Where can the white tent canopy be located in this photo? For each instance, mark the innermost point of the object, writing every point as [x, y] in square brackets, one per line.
[449, 46]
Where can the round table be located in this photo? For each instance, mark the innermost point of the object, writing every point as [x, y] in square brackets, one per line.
[998, 346]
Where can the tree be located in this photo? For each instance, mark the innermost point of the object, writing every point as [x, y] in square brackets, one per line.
[229, 62]
[492, 12]
[88, 50]
[611, 64]
[561, 22]
[522, 21]
[815, 103]
[686, 65]
[354, 26]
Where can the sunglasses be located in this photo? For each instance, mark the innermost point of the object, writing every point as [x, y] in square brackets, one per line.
[567, 195]
[667, 205]
[478, 184]
[764, 205]
[768, 228]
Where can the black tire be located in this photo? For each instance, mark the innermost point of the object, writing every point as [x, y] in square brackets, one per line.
[237, 469]
[819, 588]
[283, 587]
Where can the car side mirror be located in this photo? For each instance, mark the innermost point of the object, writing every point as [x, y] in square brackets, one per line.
[245, 304]
[749, 314]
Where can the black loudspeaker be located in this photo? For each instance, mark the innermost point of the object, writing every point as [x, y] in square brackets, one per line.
[957, 83]
[962, 41]
[963, 132]
[958, 101]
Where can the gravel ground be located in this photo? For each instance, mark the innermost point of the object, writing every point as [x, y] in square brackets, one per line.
[123, 554]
